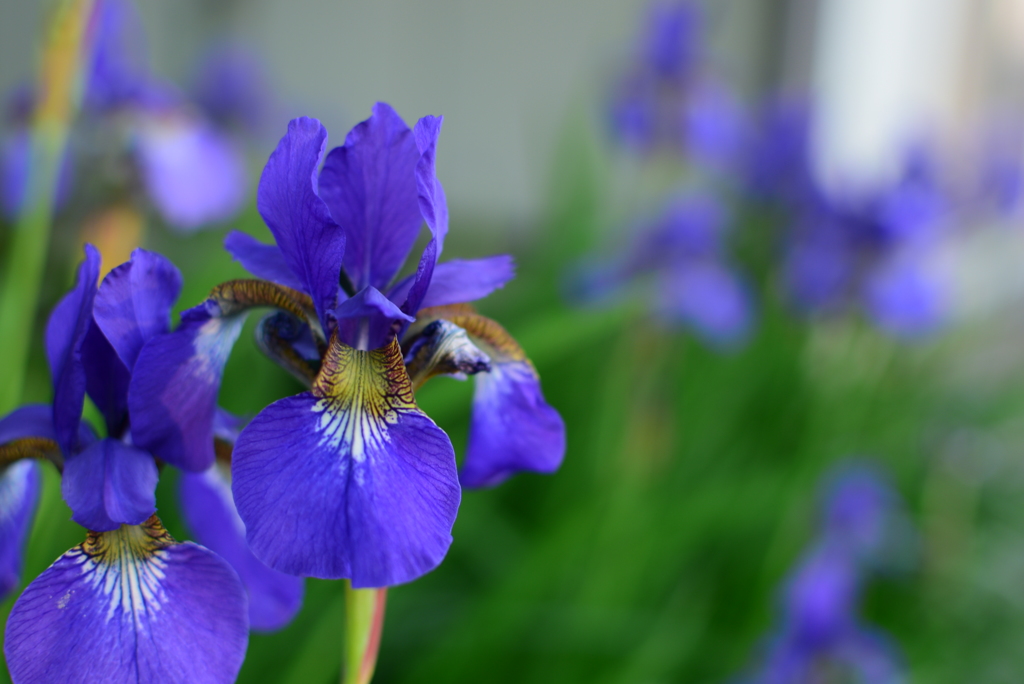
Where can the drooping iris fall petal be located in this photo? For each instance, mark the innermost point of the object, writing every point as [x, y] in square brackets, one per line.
[349, 480]
[512, 428]
[19, 495]
[130, 606]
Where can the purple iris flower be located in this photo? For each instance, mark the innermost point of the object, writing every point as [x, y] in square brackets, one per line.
[667, 99]
[820, 630]
[192, 170]
[684, 251]
[350, 479]
[875, 250]
[142, 606]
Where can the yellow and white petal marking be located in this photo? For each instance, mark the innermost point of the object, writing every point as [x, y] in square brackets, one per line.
[126, 566]
[359, 394]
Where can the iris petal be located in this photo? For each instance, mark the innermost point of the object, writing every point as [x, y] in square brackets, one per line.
[19, 495]
[370, 186]
[134, 302]
[512, 428]
[458, 280]
[209, 510]
[433, 206]
[312, 243]
[263, 261]
[172, 397]
[368, 315]
[33, 420]
[65, 336]
[106, 380]
[350, 480]
[108, 484]
[130, 606]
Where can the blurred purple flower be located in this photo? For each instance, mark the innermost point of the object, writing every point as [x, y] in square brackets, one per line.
[671, 46]
[907, 296]
[779, 157]
[232, 88]
[820, 630]
[666, 99]
[683, 250]
[873, 250]
[1001, 168]
[192, 169]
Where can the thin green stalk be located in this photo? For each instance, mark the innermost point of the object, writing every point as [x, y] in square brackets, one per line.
[364, 620]
[59, 95]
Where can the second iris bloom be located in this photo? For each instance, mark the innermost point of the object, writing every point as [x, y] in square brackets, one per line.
[351, 479]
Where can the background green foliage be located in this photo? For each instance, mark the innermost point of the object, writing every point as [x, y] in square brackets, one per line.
[688, 491]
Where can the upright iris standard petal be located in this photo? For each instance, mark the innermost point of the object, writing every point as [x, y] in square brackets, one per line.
[131, 606]
[312, 243]
[110, 484]
[458, 281]
[351, 479]
[134, 302]
[433, 206]
[106, 380]
[263, 261]
[173, 393]
[209, 510]
[194, 174]
[65, 335]
[19, 495]
[370, 186]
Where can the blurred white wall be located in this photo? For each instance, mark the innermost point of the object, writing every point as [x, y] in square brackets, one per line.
[886, 74]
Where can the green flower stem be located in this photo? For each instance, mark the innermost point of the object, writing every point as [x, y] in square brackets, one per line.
[59, 91]
[364, 620]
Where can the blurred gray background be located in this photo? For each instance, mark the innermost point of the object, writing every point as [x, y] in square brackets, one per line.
[504, 74]
[511, 76]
